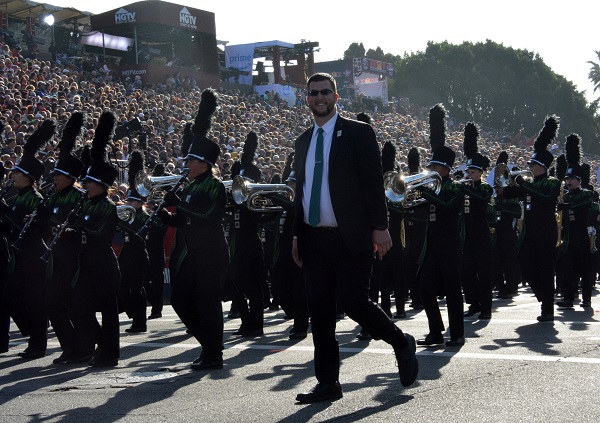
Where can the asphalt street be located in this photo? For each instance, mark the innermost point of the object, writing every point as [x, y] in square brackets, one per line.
[511, 369]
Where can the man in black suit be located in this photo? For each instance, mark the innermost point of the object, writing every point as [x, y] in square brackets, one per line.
[341, 219]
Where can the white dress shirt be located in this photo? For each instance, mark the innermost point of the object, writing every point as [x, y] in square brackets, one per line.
[327, 214]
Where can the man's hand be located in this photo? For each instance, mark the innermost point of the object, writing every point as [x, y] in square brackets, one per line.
[295, 256]
[382, 242]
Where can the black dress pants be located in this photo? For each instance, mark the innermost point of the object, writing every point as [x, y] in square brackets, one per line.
[330, 268]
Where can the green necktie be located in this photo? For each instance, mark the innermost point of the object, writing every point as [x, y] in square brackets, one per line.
[314, 211]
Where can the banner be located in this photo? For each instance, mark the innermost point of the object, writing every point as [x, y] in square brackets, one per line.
[240, 57]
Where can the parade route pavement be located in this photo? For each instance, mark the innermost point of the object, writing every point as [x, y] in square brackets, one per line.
[511, 369]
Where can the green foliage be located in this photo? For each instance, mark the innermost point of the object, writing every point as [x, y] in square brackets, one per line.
[594, 74]
[355, 50]
[495, 86]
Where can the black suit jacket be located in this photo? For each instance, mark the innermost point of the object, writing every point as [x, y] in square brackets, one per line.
[355, 184]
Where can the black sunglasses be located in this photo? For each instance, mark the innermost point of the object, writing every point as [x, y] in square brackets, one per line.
[325, 92]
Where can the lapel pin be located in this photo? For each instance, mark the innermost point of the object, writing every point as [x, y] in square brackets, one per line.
[339, 133]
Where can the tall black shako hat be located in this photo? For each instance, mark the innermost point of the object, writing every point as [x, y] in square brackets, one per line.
[202, 148]
[561, 167]
[388, 157]
[502, 158]
[29, 164]
[363, 117]
[100, 170]
[249, 169]
[586, 171]
[414, 161]
[441, 154]
[573, 155]
[136, 165]
[541, 155]
[475, 160]
[67, 163]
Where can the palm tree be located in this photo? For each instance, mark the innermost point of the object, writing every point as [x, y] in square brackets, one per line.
[594, 74]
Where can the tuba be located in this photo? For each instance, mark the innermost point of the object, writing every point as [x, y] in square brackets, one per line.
[154, 187]
[126, 213]
[403, 189]
[256, 196]
[503, 177]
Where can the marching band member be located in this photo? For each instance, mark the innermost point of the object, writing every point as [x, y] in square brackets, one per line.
[415, 230]
[63, 261]
[574, 249]
[24, 290]
[200, 254]
[506, 274]
[287, 282]
[247, 262]
[390, 267]
[443, 256]
[539, 233]
[133, 257]
[477, 252]
[97, 286]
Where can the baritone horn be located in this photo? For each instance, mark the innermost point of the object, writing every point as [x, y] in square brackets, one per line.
[403, 189]
[126, 213]
[503, 177]
[256, 196]
[154, 187]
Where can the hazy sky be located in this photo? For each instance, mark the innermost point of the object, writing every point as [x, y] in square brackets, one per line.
[564, 33]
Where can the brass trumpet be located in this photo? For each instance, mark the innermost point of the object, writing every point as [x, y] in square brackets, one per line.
[126, 213]
[256, 196]
[503, 177]
[403, 189]
[154, 187]
[465, 181]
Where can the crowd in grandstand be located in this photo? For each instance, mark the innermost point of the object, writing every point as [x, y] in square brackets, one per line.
[32, 90]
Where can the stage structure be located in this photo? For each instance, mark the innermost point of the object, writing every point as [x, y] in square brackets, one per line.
[270, 62]
[160, 39]
[371, 77]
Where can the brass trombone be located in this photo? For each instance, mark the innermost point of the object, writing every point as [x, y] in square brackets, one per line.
[256, 196]
[403, 189]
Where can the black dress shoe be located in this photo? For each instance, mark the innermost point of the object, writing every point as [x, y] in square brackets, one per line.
[485, 316]
[431, 339]
[456, 342]
[104, 362]
[408, 365]
[79, 358]
[155, 315]
[586, 304]
[233, 315]
[321, 392]
[363, 335]
[239, 331]
[136, 329]
[298, 335]
[3, 349]
[545, 318]
[63, 357]
[400, 314]
[251, 333]
[31, 354]
[564, 304]
[207, 364]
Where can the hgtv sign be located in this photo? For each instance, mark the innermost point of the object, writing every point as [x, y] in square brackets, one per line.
[186, 19]
[123, 16]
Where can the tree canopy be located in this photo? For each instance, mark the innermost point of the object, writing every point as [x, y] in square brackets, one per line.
[500, 87]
